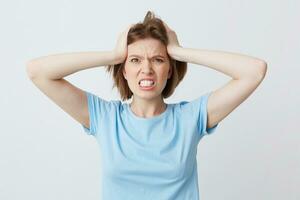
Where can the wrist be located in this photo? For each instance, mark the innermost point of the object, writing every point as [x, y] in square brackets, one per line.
[174, 51]
[116, 59]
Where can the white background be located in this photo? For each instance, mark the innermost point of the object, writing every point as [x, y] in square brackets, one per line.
[254, 153]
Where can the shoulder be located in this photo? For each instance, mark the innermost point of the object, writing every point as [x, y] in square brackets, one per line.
[102, 104]
[192, 105]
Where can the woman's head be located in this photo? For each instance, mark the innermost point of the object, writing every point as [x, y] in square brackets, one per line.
[147, 57]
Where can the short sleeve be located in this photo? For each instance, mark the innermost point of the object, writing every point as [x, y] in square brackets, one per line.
[202, 122]
[95, 106]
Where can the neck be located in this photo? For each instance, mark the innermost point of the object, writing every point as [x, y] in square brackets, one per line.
[146, 108]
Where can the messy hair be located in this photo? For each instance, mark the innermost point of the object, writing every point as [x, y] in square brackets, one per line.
[151, 27]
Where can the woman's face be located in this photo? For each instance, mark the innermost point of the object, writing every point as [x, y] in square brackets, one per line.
[147, 58]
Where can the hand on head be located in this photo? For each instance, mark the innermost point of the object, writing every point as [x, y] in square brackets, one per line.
[120, 50]
[173, 41]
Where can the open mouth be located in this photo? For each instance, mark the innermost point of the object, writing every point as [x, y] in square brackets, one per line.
[147, 84]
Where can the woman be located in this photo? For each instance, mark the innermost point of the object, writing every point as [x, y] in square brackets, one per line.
[148, 147]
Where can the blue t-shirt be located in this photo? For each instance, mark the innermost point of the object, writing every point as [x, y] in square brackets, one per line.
[148, 158]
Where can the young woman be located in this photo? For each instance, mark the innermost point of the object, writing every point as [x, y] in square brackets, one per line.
[148, 147]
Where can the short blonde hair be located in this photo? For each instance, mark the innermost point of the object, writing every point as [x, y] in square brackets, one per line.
[151, 27]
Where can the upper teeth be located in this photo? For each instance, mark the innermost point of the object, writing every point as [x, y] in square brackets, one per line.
[146, 82]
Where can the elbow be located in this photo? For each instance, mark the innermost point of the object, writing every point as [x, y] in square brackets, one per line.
[31, 69]
[262, 69]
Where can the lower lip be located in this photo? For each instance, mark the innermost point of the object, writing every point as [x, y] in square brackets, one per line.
[147, 88]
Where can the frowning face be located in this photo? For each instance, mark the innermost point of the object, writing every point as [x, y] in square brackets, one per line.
[147, 59]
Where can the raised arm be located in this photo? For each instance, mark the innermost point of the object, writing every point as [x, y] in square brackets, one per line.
[48, 73]
[247, 73]
[58, 66]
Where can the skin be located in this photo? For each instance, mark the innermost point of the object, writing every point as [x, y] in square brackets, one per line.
[246, 73]
[145, 104]
[147, 58]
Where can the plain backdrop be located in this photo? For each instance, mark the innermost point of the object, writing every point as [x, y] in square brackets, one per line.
[254, 153]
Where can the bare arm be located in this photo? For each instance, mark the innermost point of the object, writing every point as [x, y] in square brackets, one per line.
[247, 73]
[235, 65]
[58, 66]
[48, 73]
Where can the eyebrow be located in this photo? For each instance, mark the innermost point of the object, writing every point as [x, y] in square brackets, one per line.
[133, 55]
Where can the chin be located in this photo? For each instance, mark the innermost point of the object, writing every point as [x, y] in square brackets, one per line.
[147, 95]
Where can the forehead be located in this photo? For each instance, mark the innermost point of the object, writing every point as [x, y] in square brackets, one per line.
[149, 46]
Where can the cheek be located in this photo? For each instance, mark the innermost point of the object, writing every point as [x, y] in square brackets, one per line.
[165, 71]
[130, 76]
[126, 72]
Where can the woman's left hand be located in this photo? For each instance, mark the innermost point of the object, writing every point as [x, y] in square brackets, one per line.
[173, 41]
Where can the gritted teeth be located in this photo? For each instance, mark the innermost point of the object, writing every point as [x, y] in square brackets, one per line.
[146, 83]
[151, 80]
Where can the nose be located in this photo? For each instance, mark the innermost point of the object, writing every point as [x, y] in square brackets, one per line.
[147, 67]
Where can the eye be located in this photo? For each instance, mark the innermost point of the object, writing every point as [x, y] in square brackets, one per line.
[133, 59]
[160, 60]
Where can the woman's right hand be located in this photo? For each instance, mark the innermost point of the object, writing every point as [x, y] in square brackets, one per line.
[120, 50]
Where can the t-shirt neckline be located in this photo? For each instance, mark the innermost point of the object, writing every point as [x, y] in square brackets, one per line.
[157, 117]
